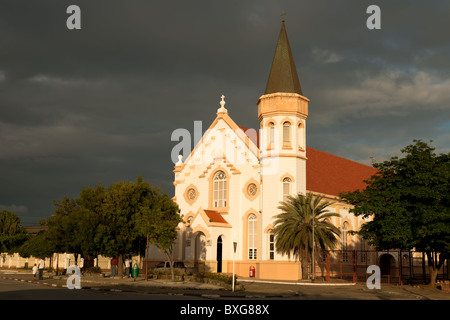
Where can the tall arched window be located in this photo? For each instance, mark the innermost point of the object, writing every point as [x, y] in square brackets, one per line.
[252, 237]
[286, 132]
[220, 189]
[271, 245]
[286, 188]
[344, 242]
[362, 248]
[301, 136]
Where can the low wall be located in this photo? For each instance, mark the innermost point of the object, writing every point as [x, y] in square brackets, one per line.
[274, 270]
[58, 260]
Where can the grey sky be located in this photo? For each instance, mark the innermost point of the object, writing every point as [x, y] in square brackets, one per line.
[98, 105]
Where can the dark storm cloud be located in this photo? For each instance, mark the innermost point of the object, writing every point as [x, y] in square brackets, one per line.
[99, 104]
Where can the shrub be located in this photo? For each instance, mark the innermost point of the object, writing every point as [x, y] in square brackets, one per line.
[216, 276]
[93, 270]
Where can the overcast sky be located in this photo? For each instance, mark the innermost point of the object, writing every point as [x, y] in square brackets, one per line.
[98, 105]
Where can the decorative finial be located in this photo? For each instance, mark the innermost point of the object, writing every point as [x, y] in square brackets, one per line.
[282, 15]
[180, 160]
[222, 105]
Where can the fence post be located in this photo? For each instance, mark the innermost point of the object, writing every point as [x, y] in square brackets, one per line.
[423, 267]
[400, 280]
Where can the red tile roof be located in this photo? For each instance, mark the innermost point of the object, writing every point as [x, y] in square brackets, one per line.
[329, 174]
[215, 216]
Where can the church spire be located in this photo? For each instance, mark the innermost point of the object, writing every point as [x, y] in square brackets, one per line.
[283, 74]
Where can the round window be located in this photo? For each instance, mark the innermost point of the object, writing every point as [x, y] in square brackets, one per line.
[252, 189]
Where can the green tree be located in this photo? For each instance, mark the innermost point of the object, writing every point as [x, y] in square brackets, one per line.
[158, 220]
[37, 246]
[118, 232]
[113, 221]
[293, 228]
[63, 226]
[408, 204]
[91, 202]
[12, 233]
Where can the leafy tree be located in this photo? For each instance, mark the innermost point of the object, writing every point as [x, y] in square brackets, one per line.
[63, 226]
[91, 203]
[408, 202]
[12, 233]
[158, 220]
[37, 246]
[293, 227]
[118, 230]
[114, 221]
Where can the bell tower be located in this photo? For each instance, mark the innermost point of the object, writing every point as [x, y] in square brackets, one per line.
[282, 113]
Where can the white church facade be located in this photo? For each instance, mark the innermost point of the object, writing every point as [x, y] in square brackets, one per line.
[230, 186]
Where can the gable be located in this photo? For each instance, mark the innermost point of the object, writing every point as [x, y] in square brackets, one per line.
[209, 218]
[224, 139]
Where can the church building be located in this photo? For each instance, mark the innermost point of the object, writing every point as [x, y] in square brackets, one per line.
[230, 186]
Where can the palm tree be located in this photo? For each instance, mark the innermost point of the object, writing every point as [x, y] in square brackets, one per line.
[294, 227]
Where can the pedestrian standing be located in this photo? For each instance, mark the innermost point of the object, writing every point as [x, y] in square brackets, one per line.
[127, 267]
[41, 265]
[113, 266]
[35, 270]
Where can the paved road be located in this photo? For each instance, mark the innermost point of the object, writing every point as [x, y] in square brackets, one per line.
[22, 290]
[114, 298]
[95, 287]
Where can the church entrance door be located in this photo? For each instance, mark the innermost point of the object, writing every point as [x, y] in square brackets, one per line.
[200, 251]
[387, 265]
[219, 254]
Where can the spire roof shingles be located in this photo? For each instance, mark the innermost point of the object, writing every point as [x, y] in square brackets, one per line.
[283, 75]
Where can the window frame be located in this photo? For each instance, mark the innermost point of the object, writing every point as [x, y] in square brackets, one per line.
[252, 237]
[219, 190]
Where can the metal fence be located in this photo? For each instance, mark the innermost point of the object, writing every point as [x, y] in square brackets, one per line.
[397, 267]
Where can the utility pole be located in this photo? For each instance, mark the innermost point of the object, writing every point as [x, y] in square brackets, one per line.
[313, 266]
[234, 255]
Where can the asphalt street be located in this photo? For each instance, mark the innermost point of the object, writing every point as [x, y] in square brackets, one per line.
[13, 280]
[114, 297]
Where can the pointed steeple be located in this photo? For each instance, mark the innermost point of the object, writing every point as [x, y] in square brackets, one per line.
[283, 74]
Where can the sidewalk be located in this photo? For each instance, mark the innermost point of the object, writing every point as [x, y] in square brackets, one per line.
[248, 288]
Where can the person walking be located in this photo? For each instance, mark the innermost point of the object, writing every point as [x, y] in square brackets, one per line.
[41, 265]
[35, 270]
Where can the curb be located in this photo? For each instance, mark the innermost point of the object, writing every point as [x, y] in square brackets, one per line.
[301, 283]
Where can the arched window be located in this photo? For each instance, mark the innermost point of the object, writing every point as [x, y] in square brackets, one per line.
[220, 189]
[286, 188]
[362, 248]
[252, 237]
[301, 136]
[271, 245]
[286, 132]
[344, 242]
[271, 134]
